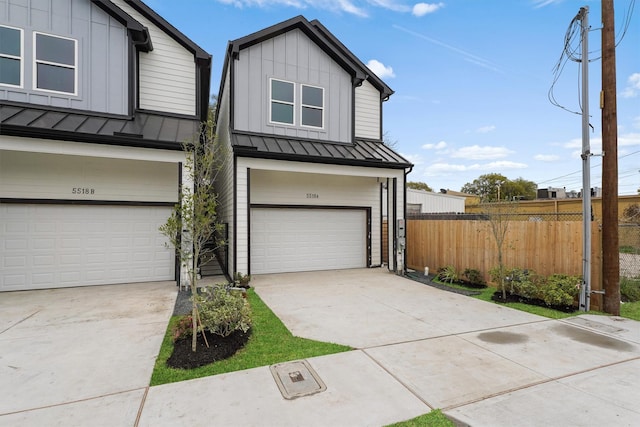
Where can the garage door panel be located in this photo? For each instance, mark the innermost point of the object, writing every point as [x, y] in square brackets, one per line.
[71, 245]
[286, 240]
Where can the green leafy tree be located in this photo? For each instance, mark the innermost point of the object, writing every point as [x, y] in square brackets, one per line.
[486, 187]
[418, 186]
[494, 186]
[193, 222]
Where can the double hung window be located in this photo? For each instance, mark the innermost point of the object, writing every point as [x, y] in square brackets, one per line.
[282, 102]
[284, 106]
[55, 62]
[11, 53]
[312, 106]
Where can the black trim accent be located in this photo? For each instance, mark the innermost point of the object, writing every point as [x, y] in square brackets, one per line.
[84, 202]
[368, 231]
[139, 34]
[235, 213]
[381, 223]
[248, 221]
[395, 222]
[404, 217]
[232, 92]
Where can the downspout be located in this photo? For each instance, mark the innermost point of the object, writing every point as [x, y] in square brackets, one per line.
[404, 215]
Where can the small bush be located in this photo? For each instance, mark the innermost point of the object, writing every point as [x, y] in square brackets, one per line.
[473, 276]
[183, 328]
[447, 274]
[223, 311]
[630, 289]
[560, 289]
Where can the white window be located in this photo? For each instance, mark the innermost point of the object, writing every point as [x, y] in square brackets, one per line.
[55, 63]
[282, 102]
[312, 106]
[11, 52]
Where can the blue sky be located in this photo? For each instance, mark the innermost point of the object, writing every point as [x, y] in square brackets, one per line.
[471, 79]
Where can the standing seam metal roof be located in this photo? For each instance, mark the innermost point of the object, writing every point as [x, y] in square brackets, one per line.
[359, 153]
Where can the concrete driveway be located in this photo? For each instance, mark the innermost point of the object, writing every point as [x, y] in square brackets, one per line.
[80, 356]
[420, 348]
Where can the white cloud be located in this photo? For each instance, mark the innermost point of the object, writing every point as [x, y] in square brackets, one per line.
[486, 129]
[380, 69]
[439, 146]
[391, 5]
[546, 157]
[633, 86]
[440, 169]
[542, 3]
[476, 152]
[636, 122]
[421, 9]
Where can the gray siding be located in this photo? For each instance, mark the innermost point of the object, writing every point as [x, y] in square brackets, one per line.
[295, 58]
[102, 53]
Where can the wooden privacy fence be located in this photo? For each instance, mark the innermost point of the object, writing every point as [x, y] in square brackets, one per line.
[546, 247]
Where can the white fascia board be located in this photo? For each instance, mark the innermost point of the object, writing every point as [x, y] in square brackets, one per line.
[70, 148]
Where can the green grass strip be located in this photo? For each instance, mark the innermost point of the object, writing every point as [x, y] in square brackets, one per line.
[434, 418]
[270, 343]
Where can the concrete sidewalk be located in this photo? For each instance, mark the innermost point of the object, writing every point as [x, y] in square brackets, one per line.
[419, 348]
[84, 357]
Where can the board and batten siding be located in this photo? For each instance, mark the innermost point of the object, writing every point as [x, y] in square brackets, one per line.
[61, 177]
[102, 60]
[167, 75]
[292, 57]
[368, 111]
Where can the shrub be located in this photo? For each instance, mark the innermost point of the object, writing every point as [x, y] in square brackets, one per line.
[630, 289]
[183, 328]
[242, 280]
[447, 274]
[560, 289]
[474, 276]
[223, 311]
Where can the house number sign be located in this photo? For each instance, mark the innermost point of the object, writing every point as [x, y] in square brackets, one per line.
[83, 190]
[312, 196]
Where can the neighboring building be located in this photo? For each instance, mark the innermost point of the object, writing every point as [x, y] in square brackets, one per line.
[96, 99]
[420, 202]
[302, 188]
[562, 193]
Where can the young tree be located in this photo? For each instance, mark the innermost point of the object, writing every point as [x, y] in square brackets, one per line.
[499, 216]
[193, 222]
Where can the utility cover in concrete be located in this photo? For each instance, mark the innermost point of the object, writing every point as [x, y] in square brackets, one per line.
[297, 379]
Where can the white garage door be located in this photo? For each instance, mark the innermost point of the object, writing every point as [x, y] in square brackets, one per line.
[286, 240]
[47, 246]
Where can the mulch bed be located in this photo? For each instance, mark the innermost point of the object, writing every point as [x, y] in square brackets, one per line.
[497, 297]
[427, 280]
[220, 348]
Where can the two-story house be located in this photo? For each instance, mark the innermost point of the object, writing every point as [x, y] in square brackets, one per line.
[302, 188]
[96, 99]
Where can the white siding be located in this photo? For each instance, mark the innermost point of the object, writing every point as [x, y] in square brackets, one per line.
[167, 74]
[224, 181]
[368, 105]
[53, 176]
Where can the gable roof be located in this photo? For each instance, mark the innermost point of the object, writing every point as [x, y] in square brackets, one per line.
[361, 152]
[142, 41]
[319, 35]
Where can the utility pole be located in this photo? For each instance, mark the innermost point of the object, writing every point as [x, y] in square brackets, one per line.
[608, 103]
[585, 290]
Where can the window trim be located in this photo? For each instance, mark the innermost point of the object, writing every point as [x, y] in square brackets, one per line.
[56, 64]
[313, 107]
[20, 58]
[271, 101]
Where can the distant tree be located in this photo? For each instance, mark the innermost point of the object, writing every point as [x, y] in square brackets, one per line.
[519, 189]
[486, 187]
[418, 186]
[494, 186]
